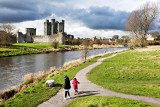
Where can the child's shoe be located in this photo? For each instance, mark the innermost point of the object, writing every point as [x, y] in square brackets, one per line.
[68, 97]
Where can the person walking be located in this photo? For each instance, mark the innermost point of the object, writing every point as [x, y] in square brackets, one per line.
[75, 85]
[67, 87]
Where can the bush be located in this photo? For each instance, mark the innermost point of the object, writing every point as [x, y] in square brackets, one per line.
[54, 44]
[153, 42]
[7, 39]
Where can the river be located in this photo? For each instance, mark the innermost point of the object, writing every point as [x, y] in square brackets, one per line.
[12, 69]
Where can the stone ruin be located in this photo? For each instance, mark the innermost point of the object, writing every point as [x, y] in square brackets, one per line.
[53, 31]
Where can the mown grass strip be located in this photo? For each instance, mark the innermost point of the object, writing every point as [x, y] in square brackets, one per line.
[97, 101]
[7, 49]
[17, 52]
[39, 92]
[134, 73]
[36, 45]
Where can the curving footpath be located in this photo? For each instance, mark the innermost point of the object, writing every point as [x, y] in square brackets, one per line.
[86, 88]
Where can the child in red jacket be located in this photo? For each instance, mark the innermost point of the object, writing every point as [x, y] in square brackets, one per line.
[75, 85]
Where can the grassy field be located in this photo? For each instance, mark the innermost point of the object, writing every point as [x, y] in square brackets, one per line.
[25, 49]
[32, 45]
[97, 101]
[135, 73]
[38, 93]
[36, 45]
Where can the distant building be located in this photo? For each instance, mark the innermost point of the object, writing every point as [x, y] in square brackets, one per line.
[150, 37]
[53, 31]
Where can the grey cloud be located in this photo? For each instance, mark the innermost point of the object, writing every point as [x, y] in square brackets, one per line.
[18, 10]
[93, 17]
[104, 18]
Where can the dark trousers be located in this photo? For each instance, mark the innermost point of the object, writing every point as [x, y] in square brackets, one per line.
[67, 92]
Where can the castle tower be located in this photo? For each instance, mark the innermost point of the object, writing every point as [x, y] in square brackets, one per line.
[47, 27]
[61, 26]
[30, 31]
[53, 26]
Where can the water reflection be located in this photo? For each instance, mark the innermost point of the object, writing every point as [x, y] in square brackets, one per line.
[12, 69]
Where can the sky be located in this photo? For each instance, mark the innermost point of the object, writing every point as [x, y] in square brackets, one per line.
[83, 18]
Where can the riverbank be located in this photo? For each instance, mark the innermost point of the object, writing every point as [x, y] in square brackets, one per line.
[37, 93]
[33, 48]
[135, 72]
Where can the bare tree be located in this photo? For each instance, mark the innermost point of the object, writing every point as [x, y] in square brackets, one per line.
[85, 50]
[141, 20]
[7, 27]
[7, 36]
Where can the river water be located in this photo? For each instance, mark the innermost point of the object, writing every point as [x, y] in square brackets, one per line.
[12, 69]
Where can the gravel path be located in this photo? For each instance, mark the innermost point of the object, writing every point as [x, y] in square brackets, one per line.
[86, 88]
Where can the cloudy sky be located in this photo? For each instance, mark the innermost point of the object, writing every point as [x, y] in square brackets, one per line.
[83, 18]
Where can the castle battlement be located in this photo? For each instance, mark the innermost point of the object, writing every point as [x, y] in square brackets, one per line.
[53, 27]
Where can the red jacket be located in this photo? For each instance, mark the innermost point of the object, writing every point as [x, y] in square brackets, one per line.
[75, 84]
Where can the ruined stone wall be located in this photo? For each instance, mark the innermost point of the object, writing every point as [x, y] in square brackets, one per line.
[40, 39]
[20, 37]
[49, 39]
[30, 31]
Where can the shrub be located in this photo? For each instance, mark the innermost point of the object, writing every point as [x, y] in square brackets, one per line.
[54, 44]
[153, 42]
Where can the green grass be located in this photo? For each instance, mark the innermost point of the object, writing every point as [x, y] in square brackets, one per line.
[36, 45]
[25, 49]
[97, 101]
[135, 73]
[39, 93]
[5, 52]
[32, 45]
[7, 49]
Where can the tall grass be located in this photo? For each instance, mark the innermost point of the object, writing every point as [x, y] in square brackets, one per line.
[28, 78]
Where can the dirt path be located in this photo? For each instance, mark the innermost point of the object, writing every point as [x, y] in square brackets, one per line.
[86, 88]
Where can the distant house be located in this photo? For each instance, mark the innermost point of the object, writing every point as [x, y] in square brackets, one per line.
[150, 37]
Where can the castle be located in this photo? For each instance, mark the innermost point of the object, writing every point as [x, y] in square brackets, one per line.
[53, 31]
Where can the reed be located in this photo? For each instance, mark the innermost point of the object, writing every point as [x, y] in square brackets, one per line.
[28, 78]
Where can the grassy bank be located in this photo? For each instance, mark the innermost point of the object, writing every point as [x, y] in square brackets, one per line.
[39, 92]
[5, 52]
[131, 73]
[26, 48]
[97, 101]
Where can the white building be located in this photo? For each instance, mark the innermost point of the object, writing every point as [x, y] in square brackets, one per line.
[149, 37]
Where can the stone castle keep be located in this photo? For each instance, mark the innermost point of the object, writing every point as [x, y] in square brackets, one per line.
[53, 31]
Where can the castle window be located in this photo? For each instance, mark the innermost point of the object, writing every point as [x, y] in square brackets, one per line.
[30, 34]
